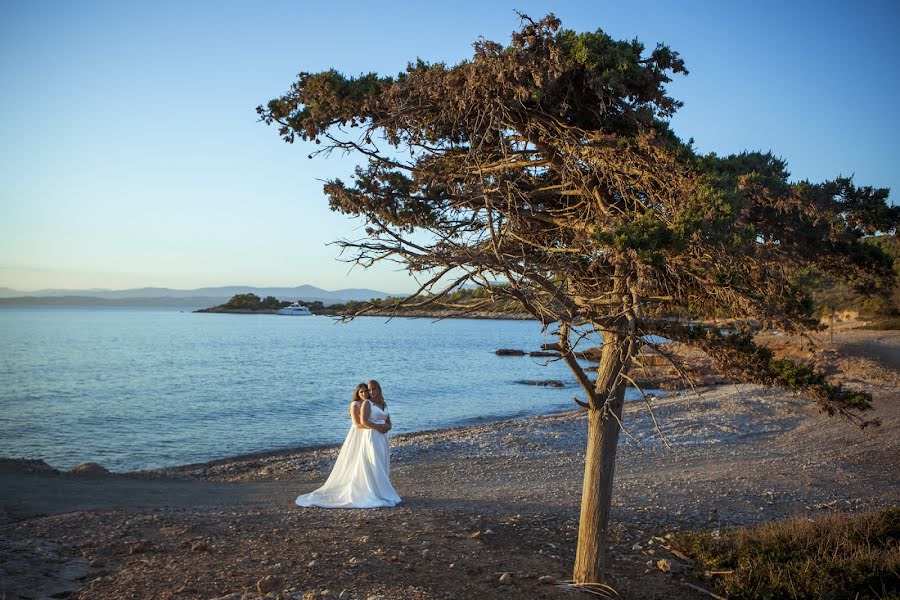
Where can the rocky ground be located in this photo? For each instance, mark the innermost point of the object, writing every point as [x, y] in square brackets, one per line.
[489, 510]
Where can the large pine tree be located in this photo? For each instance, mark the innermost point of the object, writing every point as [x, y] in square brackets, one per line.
[548, 166]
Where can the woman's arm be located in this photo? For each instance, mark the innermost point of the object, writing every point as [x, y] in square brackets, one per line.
[366, 413]
[355, 414]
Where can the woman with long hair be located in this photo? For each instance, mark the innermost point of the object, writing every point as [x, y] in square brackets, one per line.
[361, 475]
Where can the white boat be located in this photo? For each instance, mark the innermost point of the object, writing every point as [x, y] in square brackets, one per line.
[296, 309]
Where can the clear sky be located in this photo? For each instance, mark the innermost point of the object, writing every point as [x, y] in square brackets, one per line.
[130, 153]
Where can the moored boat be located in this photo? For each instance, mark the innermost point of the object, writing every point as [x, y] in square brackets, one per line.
[296, 309]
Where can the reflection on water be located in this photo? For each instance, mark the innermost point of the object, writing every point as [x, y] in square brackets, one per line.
[133, 388]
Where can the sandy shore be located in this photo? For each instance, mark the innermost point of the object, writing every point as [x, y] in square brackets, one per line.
[478, 501]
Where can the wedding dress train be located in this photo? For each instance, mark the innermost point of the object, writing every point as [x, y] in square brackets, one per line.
[361, 476]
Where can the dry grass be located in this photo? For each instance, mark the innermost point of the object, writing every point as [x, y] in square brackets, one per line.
[835, 557]
[885, 324]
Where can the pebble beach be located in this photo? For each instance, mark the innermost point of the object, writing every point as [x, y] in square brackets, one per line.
[488, 509]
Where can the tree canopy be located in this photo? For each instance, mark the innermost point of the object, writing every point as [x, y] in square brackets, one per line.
[548, 165]
[251, 301]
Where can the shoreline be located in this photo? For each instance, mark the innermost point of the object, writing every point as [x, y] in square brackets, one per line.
[708, 382]
[656, 379]
[653, 380]
[405, 438]
[272, 453]
[406, 314]
[720, 417]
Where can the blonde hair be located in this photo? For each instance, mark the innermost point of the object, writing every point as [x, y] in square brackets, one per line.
[377, 386]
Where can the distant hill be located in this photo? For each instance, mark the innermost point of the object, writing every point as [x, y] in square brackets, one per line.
[189, 302]
[201, 297]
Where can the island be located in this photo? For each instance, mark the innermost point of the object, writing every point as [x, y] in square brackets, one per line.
[468, 304]
[253, 304]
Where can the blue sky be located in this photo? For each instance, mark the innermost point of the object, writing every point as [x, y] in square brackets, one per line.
[130, 154]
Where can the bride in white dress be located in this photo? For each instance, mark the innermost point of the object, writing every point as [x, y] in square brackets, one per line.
[361, 476]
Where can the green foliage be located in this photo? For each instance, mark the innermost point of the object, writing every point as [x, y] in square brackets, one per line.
[254, 302]
[616, 69]
[457, 301]
[385, 190]
[800, 377]
[892, 324]
[831, 293]
[271, 302]
[243, 301]
[711, 212]
[816, 231]
[837, 556]
[764, 167]
[548, 162]
[737, 355]
[840, 395]
[890, 245]
[646, 235]
[326, 99]
[794, 375]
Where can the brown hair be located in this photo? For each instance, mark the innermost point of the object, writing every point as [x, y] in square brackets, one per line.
[359, 387]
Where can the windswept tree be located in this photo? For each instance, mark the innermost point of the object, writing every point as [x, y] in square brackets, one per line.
[548, 165]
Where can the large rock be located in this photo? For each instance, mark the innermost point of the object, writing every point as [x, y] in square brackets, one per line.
[267, 584]
[544, 383]
[90, 469]
[24, 465]
[509, 352]
[592, 354]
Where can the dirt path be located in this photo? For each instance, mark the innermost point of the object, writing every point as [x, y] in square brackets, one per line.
[882, 347]
[34, 494]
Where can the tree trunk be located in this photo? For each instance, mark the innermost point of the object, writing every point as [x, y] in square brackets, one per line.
[599, 463]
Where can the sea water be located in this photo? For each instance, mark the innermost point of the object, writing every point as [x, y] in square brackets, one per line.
[146, 388]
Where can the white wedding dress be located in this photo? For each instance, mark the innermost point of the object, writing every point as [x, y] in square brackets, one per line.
[361, 476]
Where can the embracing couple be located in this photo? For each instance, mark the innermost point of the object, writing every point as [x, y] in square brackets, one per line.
[361, 476]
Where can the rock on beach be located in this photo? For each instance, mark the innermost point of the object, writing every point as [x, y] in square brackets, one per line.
[90, 469]
[542, 383]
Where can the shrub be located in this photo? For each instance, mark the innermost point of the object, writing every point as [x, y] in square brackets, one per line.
[837, 556]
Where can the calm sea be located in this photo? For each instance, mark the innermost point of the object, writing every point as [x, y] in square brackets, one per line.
[145, 388]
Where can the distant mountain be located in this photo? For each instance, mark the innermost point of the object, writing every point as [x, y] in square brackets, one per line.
[190, 302]
[201, 297]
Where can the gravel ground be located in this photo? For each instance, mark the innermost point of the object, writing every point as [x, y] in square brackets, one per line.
[479, 502]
